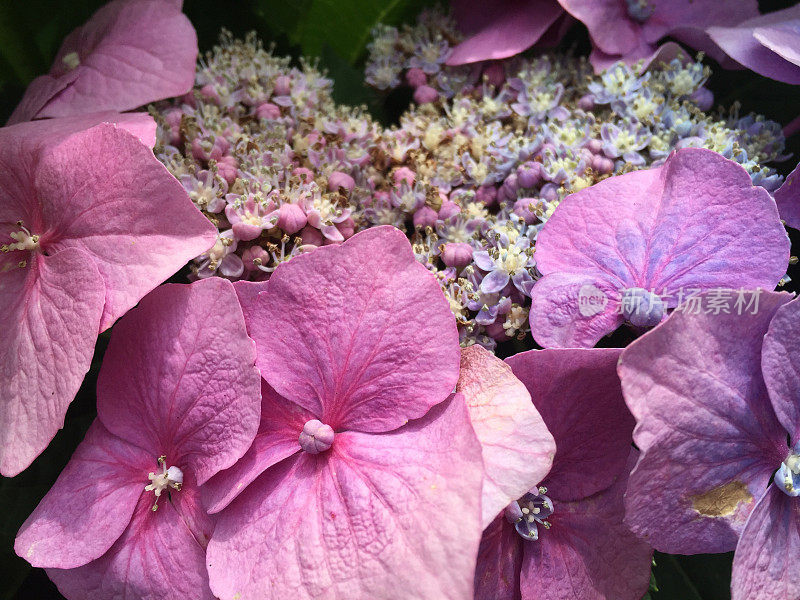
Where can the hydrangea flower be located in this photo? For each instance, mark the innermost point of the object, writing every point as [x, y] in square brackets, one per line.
[628, 248]
[767, 44]
[628, 30]
[177, 401]
[565, 537]
[129, 53]
[720, 462]
[788, 199]
[502, 29]
[361, 449]
[90, 222]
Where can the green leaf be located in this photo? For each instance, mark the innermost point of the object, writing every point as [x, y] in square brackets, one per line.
[345, 25]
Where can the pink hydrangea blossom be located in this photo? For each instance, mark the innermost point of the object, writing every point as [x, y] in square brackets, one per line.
[565, 537]
[177, 401]
[90, 222]
[129, 53]
[365, 476]
[715, 400]
[632, 246]
[767, 44]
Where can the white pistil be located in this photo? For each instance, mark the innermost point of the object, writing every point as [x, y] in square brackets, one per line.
[168, 478]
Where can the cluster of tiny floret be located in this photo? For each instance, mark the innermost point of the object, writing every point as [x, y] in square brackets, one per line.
[471, 172]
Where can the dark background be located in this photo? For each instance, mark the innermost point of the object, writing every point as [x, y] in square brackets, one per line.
[335, 31]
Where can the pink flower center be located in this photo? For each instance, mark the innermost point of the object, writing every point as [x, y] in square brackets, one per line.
[171, 477]
[316, 437]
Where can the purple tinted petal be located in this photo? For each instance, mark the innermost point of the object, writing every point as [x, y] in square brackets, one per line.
[588, 553]
[780, 362]
[504, 28]
[768, 553]
[578, 394]
[499, 562]
[573, 310]
[494, 282]
[788, 199]
[709, 437]
[764, 44]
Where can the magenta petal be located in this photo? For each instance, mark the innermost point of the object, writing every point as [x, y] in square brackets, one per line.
[157, 557]
[610, 27]
[277, 438]
[517, 448]
[380, 513]
[247, 292]
[178, 377]
[499, 562]
[578, 394]
[588, 553]
[780, 362]
[710, 440]
[347, 331]
[507, 27]
[49, 315]
[136, 221]
[788, 199]
[767, 44]
[40, 91]
[90, 504]
[768, 553]
[130, 52]
[573, 311]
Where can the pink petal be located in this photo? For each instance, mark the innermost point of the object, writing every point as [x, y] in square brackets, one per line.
[247, 292]
[90, 504]
[768, 553]
[588, 553]
[517, 448]
[136, 221]
[499, 562]
[277, 438]
[507, 27]
[49, 315]
[788, 199]
[574, 311]
[709, 437]
[780, 363]
[577, 392]
[40, 91]
[347, 331]
[766, 44]
[178, 377]
[157, 557]
[131, 52]
[377, 514]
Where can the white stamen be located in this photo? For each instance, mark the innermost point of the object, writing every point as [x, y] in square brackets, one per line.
[168, 478]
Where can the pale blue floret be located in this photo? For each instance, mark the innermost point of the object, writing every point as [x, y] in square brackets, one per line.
[787, 478]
